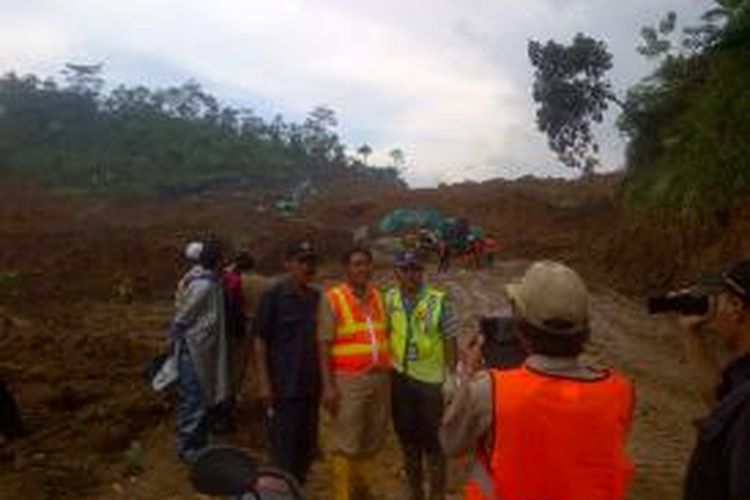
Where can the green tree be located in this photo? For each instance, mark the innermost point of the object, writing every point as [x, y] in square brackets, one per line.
[572, 91]
[364, 151]
[84, 78]
[319, 136]
[687, 123]
[170, 141]
[656, 41]
[725, 25]
[397, 158]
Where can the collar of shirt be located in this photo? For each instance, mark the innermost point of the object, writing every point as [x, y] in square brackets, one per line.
[409, 301]
[571, 368]
[737, 372]
[289, 287]
[369, 289]
[547, 363]
[364, 300]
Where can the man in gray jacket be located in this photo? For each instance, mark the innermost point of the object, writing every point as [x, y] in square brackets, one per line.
[201, 348]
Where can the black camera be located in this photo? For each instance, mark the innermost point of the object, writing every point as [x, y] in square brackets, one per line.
[685, 303]
[502, 348]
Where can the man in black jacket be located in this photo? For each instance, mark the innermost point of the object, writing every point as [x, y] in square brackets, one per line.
[720, 464]
[288, 365]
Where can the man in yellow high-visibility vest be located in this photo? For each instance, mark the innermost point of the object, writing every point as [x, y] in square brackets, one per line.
[423, 327]
[355, 362]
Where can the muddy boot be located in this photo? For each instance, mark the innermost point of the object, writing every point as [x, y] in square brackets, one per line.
[413, 469]
[436, 470]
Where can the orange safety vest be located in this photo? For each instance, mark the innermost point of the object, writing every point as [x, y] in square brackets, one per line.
[360, 341]
[555, 438]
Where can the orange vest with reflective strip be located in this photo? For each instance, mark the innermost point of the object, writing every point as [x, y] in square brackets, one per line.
[360, 341]
[556, 438]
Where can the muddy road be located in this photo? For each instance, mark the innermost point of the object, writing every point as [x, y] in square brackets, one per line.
[143, 466]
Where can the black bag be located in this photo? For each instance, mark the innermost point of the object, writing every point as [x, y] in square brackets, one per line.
[501, 349]
[167, 376]
[10, 418]
[153, 366]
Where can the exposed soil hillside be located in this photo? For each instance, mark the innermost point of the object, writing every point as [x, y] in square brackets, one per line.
[85, 287]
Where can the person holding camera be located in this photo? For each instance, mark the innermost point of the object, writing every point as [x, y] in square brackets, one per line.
[554, 428]
[719, 466]
[423, 327]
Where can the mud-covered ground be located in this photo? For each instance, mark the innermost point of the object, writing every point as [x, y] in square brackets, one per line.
[104, 435]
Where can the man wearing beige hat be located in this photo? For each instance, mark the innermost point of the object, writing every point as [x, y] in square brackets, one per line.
[554, 428]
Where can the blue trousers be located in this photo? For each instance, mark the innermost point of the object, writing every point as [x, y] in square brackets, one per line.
[192, 411]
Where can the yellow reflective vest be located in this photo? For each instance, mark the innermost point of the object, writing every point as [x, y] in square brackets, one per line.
[417, 344]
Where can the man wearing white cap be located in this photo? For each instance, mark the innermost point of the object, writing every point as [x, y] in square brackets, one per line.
[200, 348]
[554, 428]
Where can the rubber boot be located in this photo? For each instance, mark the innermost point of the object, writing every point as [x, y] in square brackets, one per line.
[413, 469]
[436, 468]
[342, 477]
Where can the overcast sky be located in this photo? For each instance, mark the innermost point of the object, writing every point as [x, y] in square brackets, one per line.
[447, 81]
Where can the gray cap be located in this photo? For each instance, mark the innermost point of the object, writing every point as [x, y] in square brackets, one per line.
[408, 259]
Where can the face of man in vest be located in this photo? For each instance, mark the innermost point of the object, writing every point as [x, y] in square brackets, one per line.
[359, 270]
[410, 278]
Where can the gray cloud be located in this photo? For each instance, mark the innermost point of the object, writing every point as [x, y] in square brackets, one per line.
[446, 81]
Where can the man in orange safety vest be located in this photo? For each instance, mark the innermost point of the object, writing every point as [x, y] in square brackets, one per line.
[355, 364]
[555, 428]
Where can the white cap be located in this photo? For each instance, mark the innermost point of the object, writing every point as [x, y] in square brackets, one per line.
[193, 250]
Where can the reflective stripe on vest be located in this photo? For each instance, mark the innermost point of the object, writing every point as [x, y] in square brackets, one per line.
[417, 344]
[557, 438]
[360, 340]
